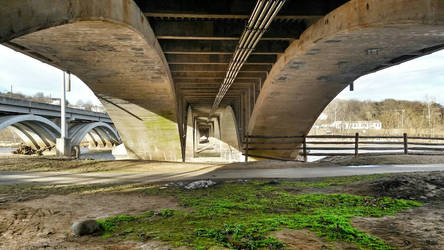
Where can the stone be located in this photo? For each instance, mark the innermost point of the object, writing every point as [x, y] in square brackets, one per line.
[273, 182]
[86, 227]
[200, 184]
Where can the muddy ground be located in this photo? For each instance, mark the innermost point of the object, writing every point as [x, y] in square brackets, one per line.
[40, 217]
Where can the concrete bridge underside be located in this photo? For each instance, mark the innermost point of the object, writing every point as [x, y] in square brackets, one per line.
[111, 47]
[356, 39]
[149, 61]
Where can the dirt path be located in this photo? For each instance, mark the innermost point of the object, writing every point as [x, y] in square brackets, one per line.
[202, 172]
[46, 223]
[43, 221]
[48, 164]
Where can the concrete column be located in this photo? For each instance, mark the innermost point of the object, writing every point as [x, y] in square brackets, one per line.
[63, 144]
[146, 134]
[189, 140]
[229, 136]
[216, 136]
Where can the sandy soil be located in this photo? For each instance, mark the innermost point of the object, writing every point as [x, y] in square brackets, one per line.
[306, 240]
[418, 228]
[46, 223]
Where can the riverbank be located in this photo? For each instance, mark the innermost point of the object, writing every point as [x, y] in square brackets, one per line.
[323, 213]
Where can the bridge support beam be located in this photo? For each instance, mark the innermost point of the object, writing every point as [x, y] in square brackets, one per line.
[63, 147]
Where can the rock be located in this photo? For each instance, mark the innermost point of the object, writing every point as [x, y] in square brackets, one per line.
[174, 184]
[200, 184]
[273, 182]
[425, 187]
[86, 227]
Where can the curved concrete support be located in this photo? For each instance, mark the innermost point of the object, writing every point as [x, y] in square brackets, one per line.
[48, 138]
[78, 133]
[189, 143]
[101, 143]
[35, 131]
[230, 147]
[26, 138]
[92, 143]
[37, 140]
[106, 138]
[358, 38]
[109, 45]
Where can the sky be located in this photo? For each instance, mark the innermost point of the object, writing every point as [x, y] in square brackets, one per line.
[29, 76]
[413, 80]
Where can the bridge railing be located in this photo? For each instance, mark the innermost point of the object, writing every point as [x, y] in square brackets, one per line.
[343, 145]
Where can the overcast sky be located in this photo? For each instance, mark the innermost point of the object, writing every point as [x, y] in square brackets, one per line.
[29, 76]
[412, 80]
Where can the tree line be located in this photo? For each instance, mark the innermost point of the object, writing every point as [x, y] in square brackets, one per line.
[42, 98]
[423, 117]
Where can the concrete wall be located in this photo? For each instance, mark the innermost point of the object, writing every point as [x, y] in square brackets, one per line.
[358, 38]
[229, 136]
[110, 46]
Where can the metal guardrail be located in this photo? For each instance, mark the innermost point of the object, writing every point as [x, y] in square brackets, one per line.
[398, 145]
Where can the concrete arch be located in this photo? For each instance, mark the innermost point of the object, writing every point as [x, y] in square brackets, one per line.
[36, 131]
[358, 38]
[110, 45]
[80, 131]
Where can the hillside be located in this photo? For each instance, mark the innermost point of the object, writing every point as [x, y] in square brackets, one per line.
[396, 116]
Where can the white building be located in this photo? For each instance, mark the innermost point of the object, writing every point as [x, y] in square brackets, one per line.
[357, 125]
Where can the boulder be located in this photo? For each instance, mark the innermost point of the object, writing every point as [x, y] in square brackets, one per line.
[200, 184]
[86, 227]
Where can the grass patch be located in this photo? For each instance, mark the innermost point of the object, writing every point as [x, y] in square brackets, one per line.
[242, 215]
[334, 181]
[48, 163]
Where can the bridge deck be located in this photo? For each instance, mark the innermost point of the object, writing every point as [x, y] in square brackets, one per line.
[10, 106]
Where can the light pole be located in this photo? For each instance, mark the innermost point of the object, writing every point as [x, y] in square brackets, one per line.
[63, 144]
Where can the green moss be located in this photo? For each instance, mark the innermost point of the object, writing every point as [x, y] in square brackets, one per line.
[335, 181]
[242, 216]
[109, 224]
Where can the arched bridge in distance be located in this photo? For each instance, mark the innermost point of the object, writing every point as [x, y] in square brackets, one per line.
[183, 79]
[38, 124]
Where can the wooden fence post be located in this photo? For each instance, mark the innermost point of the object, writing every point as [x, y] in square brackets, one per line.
[356, 145]
[304, 148]
[246, 148]
[406, 147]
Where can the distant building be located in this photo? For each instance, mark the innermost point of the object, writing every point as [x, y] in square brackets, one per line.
[98, 109]
[357, 125]
[77, 107]
[323, 117]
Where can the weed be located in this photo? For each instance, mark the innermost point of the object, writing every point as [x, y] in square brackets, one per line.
[241, 216]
